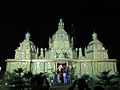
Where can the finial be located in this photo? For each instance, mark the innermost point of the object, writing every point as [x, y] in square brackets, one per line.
[27, 36]
[61, 24]
[94, 35]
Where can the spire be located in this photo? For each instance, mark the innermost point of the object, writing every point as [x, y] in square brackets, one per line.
[27, 36]
[94, 36]
[60, 24]
[50, 43]
[85, 50]
[73, 32]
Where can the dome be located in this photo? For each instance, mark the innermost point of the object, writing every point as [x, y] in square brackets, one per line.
[61, 34]
[96, 41]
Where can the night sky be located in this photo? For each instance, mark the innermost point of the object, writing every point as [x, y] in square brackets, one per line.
[41, 20]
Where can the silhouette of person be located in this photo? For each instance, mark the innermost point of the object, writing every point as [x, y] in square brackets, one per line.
[55, 80]
[73, 85]
[98, 88]
[82, 84]
[68, 78]
[61, 77]
[37, 82]
[46, 84]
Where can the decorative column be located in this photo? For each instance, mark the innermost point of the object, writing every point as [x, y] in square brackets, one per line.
[45, 52]
[115, 67]
[41, 53]
[77, 52]
[85, 51]
[44, 67]
[37, 52]
[97, 67]
[80, 53]
[91, 68]
[80, 69]
[56, 66]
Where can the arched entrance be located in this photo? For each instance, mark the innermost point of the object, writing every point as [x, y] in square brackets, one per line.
[62, 73]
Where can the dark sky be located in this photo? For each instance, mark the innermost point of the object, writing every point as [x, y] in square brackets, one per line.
[41, 18]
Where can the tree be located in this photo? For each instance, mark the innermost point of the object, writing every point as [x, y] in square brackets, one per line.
[28, 76]
[18, 71]
[72, 73]
[15, 79]
[107, 80]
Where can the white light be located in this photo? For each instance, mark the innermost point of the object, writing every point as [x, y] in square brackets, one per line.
[38, 63]
[0, 68]
[6, 83]
[103, 48]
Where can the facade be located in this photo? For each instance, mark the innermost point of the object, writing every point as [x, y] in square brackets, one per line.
[62, 55]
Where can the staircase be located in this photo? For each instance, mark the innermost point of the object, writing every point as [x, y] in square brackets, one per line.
[61, 87]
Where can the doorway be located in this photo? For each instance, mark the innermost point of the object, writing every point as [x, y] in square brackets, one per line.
[61, 67]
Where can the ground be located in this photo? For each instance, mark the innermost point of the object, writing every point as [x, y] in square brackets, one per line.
[53, 87]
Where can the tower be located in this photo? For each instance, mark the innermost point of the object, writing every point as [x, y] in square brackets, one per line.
[95, 49]
[27, 49]
[61, 45]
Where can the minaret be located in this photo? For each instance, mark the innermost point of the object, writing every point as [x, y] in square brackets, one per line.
[61, 25]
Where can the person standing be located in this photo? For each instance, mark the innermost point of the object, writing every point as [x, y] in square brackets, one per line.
[82, 84]
[64, 77]
[58, 77]
[46, 84]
